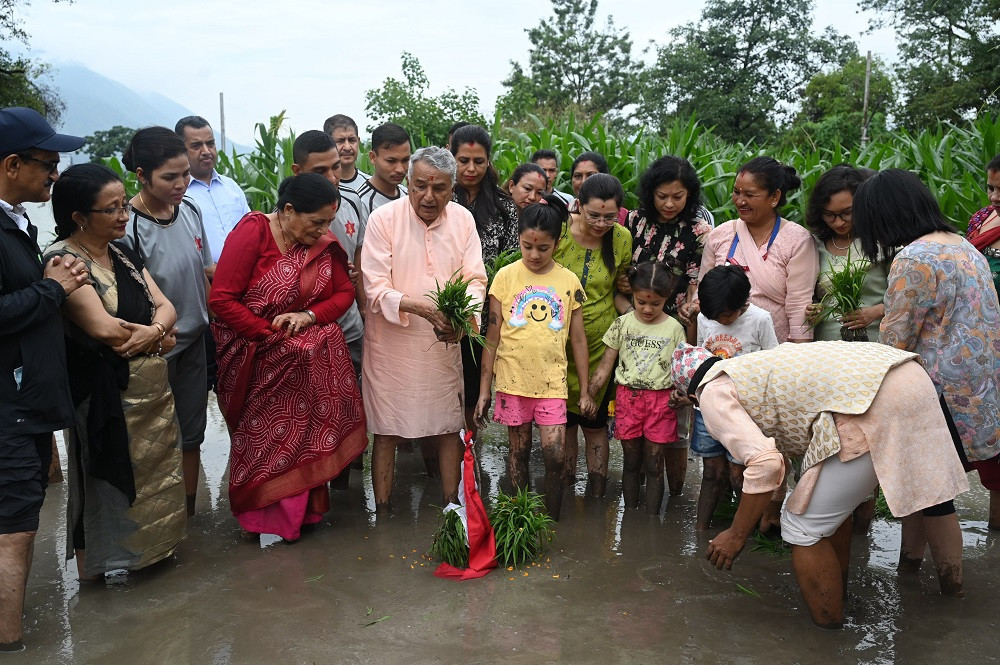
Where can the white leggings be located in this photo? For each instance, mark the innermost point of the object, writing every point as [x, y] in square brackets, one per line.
[841, 486]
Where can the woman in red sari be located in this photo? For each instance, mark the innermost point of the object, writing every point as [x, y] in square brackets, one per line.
[286, 382]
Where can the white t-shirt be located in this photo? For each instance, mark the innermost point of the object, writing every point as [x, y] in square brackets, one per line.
[753, 331]
[374, 198]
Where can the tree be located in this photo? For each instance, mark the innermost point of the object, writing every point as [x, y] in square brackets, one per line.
[833, 105]
[949, 56]
[740, 67]
[409, 104]
[107, 142]
[572, 66]
[22, 79]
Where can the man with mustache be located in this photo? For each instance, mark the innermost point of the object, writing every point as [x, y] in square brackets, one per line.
[34, 386]
[344, 132]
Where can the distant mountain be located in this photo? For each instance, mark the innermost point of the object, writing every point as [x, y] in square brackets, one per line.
[95, 102]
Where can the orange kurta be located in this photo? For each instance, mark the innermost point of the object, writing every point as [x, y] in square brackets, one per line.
[411, 382]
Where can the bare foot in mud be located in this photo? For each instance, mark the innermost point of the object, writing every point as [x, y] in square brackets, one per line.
[907, 565]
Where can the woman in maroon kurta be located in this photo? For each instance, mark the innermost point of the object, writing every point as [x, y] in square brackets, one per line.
[286, 382]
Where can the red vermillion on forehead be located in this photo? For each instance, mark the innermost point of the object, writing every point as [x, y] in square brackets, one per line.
[471, 144]
[432, 178]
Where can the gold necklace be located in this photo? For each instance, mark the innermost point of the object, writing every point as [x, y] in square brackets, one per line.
[88, 252]
[150, 213]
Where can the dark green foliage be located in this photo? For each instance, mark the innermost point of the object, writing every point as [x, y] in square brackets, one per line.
[457, 304]
[449, 541]
[523, 529]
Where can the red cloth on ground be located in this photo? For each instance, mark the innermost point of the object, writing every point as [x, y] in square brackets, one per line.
[293, 404]
[482, 541]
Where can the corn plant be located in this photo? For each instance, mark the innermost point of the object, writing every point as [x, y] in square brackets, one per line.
[260, 172]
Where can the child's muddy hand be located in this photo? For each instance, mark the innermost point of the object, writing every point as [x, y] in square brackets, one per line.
[688, 312]
[622, 285]
[724, 548]
[588, 407]
[481, 414]
[679, 400]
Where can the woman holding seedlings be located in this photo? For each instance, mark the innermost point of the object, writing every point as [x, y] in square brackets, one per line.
[830, 217]
[859, 414]
[412, 367]
[642, 342]
[126, 497]
[535, 308]
[941, 303]
[478, 190]
[286, 383]
[598, 250]
[527, 185]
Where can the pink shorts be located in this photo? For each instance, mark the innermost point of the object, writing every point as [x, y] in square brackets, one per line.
[644, 413]
[514, 410]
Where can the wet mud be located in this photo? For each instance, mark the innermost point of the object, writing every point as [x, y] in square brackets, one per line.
[617, 586]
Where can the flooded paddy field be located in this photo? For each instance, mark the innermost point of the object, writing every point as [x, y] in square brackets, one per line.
[615, 587]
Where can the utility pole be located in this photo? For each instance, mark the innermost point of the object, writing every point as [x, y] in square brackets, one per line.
[864, 110]
[222, 117]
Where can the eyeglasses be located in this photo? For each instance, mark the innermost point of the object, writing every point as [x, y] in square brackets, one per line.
[595, 219]
[127, 208]
[846, 215]
[50, 166]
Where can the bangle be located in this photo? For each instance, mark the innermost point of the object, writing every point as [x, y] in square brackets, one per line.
[163, 330]
[159, 348]
[312, 315]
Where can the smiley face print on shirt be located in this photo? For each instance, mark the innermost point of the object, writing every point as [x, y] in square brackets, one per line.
[539, 304]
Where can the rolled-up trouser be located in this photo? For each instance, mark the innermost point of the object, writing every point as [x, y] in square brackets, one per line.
[841, 486]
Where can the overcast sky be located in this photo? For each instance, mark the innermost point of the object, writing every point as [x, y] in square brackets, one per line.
[316, 58]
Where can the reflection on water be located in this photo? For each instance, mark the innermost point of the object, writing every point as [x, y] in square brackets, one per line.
[616, 586]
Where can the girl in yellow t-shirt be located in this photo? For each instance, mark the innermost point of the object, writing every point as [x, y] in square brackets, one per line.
[534, 308]
[643, 341]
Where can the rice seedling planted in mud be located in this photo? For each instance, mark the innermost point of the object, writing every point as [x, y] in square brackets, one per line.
[522, 527]
[449, 541]
[457, 304]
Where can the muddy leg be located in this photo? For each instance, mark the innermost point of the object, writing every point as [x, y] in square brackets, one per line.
[944, 535]
[863, 516]
[470, 422]
[914, 543]
[818, 573]
[450, 452]
[429, 451]
[676, 461]
[15, 560]
[520, 453]
[572, 447]
[736, 477]
[383, 468]
[652, 461]
[994, 524]
[841, 542]
[631, 465]
[554, 454]
[714, 477]
[190, 465]
[598, 447]
[55, 469]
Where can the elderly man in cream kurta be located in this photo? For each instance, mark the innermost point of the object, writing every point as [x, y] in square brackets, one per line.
[412, 368]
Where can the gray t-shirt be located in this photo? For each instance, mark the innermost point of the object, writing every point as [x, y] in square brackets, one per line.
[354, 184]
[349, 226]
[176, 255]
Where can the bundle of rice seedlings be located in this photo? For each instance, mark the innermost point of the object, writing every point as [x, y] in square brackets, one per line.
[459, 307]
[449, 541]
[522, 527]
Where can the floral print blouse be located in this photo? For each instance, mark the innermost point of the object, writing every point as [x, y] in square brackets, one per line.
[939, 305]
[683, 242]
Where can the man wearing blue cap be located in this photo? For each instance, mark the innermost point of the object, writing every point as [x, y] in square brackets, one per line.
[34, 388]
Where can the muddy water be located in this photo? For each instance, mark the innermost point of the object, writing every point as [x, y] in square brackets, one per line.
[616, 587]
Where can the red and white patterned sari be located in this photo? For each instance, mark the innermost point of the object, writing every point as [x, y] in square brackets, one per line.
[293, 404]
